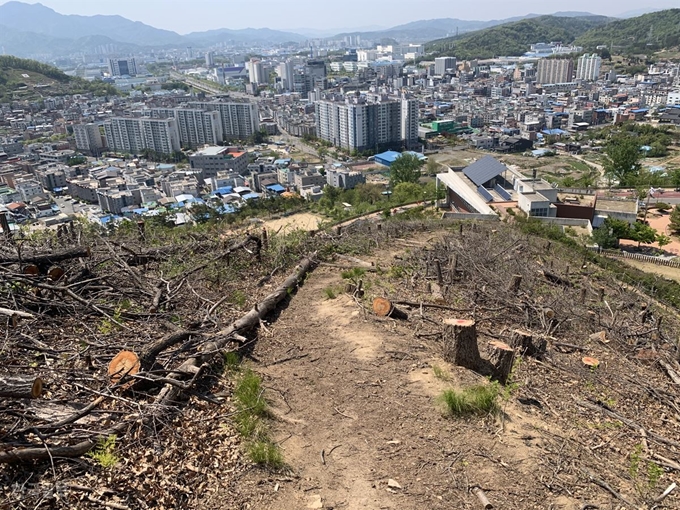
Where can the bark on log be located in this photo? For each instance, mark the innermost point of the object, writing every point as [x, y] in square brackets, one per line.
[553, 278]
[48, 258]
[486, 504]
[525, 344]
[460, 343]
[17, 386]
[171, 393]
[16, 313]
[385, 308]
[501, 356]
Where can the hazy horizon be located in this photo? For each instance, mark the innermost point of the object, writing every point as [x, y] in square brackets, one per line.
[202, 15]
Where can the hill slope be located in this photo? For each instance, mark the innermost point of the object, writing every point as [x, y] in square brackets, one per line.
[652, 31]
[28, 79]
[515, 38]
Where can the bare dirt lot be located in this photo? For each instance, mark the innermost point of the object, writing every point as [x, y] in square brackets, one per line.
[301, 221]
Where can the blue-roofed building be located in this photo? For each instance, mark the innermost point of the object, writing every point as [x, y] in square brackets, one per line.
[251, 196]
[387, 158]
[276, 188]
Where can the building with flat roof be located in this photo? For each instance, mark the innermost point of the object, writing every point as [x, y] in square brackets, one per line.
[211, 160]
[122, 67]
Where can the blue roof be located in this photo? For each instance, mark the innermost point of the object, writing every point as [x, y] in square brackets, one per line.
[250, 196]
[282, 161]
[276, 188]
[389, 156]
[224, 190]
[640, 110]
[554, 132]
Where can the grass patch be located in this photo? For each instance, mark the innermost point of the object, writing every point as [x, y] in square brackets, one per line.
[330, 293]
[232, 361]
[475, 400]
[251, 411]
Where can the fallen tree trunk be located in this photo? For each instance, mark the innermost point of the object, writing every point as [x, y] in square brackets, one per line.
[48, 258]
[171, 393]
[18, 386]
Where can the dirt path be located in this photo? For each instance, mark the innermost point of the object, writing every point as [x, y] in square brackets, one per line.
[361, 427]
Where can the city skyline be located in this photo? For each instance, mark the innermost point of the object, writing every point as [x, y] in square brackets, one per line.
[303, 14]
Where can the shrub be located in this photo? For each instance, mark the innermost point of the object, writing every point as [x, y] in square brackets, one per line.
[265, 453]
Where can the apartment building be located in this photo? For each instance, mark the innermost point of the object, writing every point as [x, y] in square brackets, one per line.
[88, 138]
[588, 68]
[555, 70]
[133, 135]
[343, 178]
[357, 125]
[239, 120]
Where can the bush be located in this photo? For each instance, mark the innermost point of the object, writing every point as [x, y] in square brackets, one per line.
[476, 400]
[663, 206]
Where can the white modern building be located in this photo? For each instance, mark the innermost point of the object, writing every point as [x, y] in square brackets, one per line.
[122, 67]
[239, 120]
[88, 138]
[443, 64]
[588, 67]
[134, 135]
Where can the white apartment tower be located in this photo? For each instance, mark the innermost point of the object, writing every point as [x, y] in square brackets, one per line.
[239, 120]
[134, 135]
[122, 67]
[256, 72]
[589, 67]
[88, 138]
[210, 59]
[443, 64]
[409, 122]
[555, 70]
[285, 72]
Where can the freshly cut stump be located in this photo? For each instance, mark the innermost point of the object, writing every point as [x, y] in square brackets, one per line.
[31, 270]
[55, 273]
[384, 308]
[501, 356]
[17, 386]
[590, 362]
[525, 344]
[125, 363]
[460, 343]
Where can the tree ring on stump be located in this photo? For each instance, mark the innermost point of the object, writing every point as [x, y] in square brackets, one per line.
[37, 388]
[125, 363]
[459, 322]
[55, 273]
[31, 270]
[382, 307]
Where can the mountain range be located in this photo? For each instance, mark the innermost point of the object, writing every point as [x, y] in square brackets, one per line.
[34, 30]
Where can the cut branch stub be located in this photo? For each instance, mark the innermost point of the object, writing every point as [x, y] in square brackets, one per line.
[31, 270]
[125, 363]
[20, 386]
[501, 356]
[460, 343]
[384, 308]
[526, 345]
[516, 282]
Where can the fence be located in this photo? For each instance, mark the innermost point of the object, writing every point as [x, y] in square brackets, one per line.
[675, 262]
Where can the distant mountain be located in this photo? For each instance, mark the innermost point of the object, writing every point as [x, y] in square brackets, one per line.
[33, 30]
[513, 39]
[320, 33]
[649, 32]
[427, 30]
[42, 20]
[638, 12]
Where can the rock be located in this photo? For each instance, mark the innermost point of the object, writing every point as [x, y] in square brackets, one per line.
[314, 501]
[393, 484]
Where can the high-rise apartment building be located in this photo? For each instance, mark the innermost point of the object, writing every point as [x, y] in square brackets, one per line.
[134, 135]
[122, 67]
[88, 138]
[285, 72]
[589, 67]
[210, 59]
[315, 75]
[196, 127]
[239, 120]
[555, 70]
[443, 64]
[357, 125]
[256, 72]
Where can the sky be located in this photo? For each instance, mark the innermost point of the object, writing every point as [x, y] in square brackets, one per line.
[184, 16]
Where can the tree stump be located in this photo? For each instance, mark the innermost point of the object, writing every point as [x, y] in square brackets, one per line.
[525, 345]
[55, 273]
[124, 364]
[460, 343]
[384, 308]
[501, 356]
[18, 386]
[516, 282]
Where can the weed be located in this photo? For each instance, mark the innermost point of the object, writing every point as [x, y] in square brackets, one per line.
[232, 361]
[108, 326]
[440, 373]
[248, 394]
[265, 453]
[654, 474]
[481, 400]
[238, 298]
[397, 272]
[330, 292]
[104, 454]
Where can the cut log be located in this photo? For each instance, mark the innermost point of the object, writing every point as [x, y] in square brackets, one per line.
[31, 270]
[55, 273]
[526, 345]
[384, 308]
[501, 356]
[125, 363]
[16, 386]
[486, 504]
[15, 313]
[48, 258]
[553, 278]
[460, 343]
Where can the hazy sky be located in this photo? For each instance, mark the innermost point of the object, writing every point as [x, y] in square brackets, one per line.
[185, 16]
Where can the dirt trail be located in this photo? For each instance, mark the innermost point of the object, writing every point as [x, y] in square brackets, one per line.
[362, 391]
